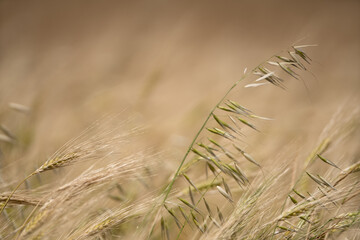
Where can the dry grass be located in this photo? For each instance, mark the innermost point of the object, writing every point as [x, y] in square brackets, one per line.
[276, 156]
[237, 197]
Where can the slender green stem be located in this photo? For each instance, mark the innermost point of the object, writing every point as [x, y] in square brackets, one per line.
[12, 193]
[168, 189]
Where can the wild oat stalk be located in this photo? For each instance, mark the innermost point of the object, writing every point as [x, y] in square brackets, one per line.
[223, 151]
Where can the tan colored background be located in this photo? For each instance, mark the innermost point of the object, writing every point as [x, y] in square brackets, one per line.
[169, 62]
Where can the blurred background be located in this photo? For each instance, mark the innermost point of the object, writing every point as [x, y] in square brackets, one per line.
[168, 62]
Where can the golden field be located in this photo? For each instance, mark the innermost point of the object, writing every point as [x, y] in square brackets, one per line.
[148, 73]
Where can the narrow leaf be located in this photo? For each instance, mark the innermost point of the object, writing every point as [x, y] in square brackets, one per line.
[223, 192]
[189, 205]
[326, 183]
[243, 121]
[199, 153]
[223, 124]
[318, 181]
[221, 133]
[327, 161]
[288, 70]
[173, 215]
[227, 189]
[184, 215]
[302, 54]
[299, 194]
[221, 217]
[255, 85]
[189, 181]
[265, 76]
[197, 224]
[247, 156]
[293, 200]
[207, 207]
[191, 197]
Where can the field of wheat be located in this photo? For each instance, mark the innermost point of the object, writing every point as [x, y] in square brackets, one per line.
[179, 120]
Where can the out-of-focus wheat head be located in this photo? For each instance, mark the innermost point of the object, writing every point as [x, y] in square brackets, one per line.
[106, 141]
